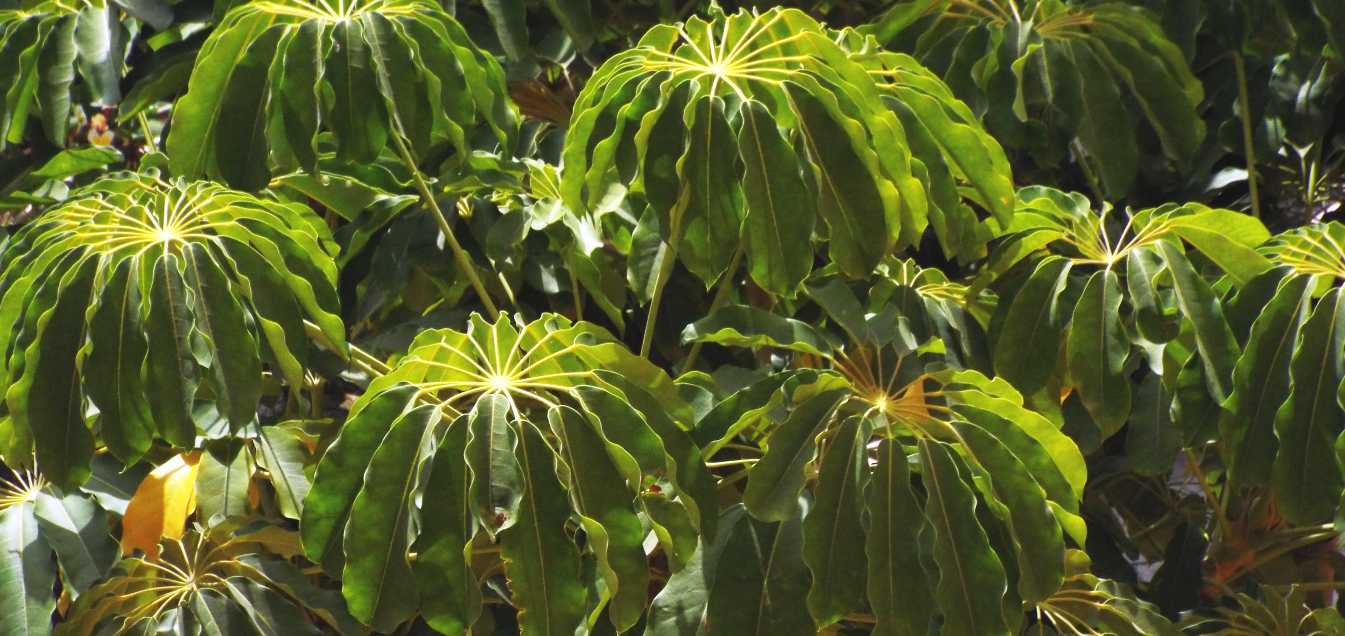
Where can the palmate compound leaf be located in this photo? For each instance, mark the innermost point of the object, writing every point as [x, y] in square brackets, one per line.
[1282, 419]
[996, 492]
[276, 72]
[36, 520]
[136, 293]
[1072, 71]
[554, 421]
[1088, 274]
[45, 48]
[761, 130]
[226, 581]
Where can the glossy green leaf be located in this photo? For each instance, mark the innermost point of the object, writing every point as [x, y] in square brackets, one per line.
[1097, 350]
[833, 537]
[1305, 475]
[779, 224]
[1036, 533]
[774, 483]
[603, 499]
[341, 474]
[898, 590]
[77, 529]
[763, 588]
[1261, 382]
[541, 561]
[971, 578]
[1033, 328]
[26, 598]
[1214, 339]
[443, 546]
[378, 582]
[744, 326]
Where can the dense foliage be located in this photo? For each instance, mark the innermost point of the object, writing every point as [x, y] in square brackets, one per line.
[634, 316]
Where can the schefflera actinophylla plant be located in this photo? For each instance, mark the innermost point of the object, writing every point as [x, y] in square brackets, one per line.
[139, 295]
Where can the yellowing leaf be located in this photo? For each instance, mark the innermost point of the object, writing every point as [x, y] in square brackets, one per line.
[161, 504]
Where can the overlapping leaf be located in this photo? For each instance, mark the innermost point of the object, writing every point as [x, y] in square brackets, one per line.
[274, 73]
[45, 49]
[984, 459]
[552, 420]
[1081, 72]
[1080, 279]
[135, 294]
[818, 140]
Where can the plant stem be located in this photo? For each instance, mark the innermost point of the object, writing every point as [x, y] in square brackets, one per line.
[144, 128]
[359, 358]
[460, 255]
[1315, 586]
[1248, 144]
[1193, 465]
[664, 273]
[721, 295]
[576, 295]
[1092, 177]
[733, 462]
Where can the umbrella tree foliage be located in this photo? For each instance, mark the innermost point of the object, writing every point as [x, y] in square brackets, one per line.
[304, 340]
[176, 288]
[1082, 72]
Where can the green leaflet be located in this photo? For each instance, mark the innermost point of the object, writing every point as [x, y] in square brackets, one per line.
[713, 211]
[1097, 349]
[1306, 478]
[624, 426]
[1032, 329]
[763, 588]
[695, 485]
[26, 575]
[235, 374]
[1037, 536]
[497, 480]
[542, 562]
[1160, 89]
[774, 483]
[360, 123]
[833, 537]
[444, 542]
[341, 474]
[1052, 459]
[898, 590]
[240, 144]
[200, 110]
[602, 497]
[779, 224]
[76, 528]
[377, 581]
[48, 397]
[1217, 347]
[172, 366]
[844, 194]
[1261, 382]
[744, 326]
[971, 578]
[56, 67]
[1228, 238]
[1152, 440]
[1106, 129]
[222, 481]
[280, 450]
[117, 352]
[1152, 319]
